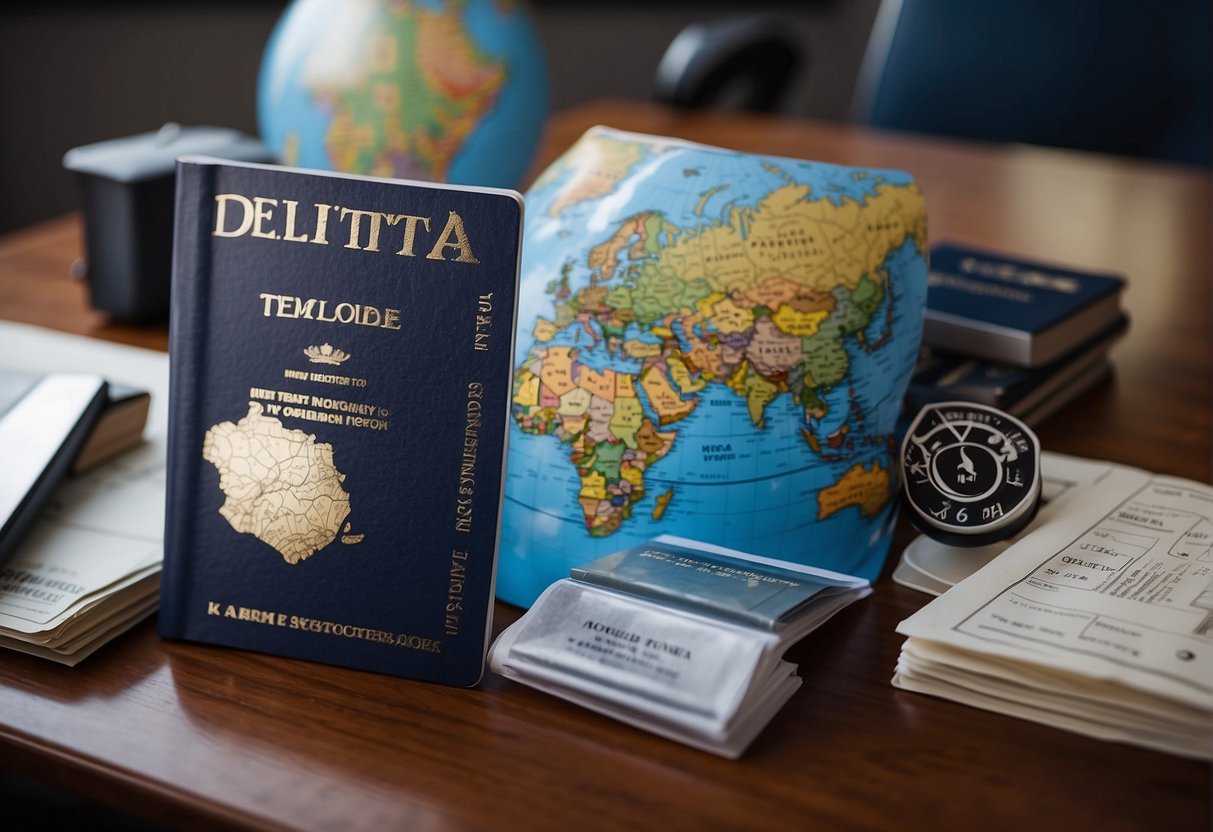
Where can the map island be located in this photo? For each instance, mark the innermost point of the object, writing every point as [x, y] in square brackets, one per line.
[280, 485]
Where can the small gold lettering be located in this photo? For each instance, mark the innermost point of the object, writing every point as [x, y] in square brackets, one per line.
[289, 233]
[322, 224]
[375, 220]
[410, 232]
[343, 312]
[454, 226]
[263, 211]
[260, 216]
[246, 217]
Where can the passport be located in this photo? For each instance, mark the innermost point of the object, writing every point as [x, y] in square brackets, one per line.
[714, 581]
[339, 387]
[678, 637]
[1024, 312]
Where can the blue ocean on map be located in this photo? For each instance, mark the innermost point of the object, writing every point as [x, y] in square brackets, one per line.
[723, 478]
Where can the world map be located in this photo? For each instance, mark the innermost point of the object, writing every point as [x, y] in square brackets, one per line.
[427, 90]
[714, 345]
[280, 485]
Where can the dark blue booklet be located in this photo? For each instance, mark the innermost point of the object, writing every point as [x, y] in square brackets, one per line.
[1030, 393]
[340, 361]
[1024, 312]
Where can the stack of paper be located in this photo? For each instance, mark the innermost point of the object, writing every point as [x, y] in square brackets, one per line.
[676, 637]
[89, 567]
[1098, 621]
[1025, 336]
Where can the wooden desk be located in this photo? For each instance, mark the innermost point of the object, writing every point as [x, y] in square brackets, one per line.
[205, 737]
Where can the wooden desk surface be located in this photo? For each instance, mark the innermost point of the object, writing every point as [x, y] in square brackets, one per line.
[205, 737]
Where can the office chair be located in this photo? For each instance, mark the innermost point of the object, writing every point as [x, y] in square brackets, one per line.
[740, 63]
[1108, 76]
[1127, 78]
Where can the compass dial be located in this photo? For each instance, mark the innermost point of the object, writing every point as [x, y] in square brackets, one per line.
[970, 473]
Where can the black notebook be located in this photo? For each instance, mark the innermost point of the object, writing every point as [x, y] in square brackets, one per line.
[45, 419]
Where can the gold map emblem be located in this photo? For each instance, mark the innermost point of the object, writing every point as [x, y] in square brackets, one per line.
[281, 485]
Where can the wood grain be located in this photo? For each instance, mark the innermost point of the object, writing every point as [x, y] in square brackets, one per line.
[203, 737]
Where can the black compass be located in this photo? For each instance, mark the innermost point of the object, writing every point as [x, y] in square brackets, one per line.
[970, 473]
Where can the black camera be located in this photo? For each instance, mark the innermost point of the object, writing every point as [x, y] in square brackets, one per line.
[127, 189]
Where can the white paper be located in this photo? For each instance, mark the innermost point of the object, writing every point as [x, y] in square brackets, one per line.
[648, 655]
[666, 664]
[103, 532]
[99, 528]
[715, 691]
[1115, 591]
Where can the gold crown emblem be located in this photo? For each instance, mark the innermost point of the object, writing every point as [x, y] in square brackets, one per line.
[325, 354]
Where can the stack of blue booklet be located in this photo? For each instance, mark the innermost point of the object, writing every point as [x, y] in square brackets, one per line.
[1021, 335]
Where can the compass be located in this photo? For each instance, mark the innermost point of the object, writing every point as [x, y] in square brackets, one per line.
[970, 473]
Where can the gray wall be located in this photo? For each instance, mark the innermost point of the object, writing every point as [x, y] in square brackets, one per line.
[77, 73]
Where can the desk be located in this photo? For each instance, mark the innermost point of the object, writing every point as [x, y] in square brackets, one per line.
[204, 737]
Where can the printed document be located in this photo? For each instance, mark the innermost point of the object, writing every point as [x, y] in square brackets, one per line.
[1098, 621]
[89, 568]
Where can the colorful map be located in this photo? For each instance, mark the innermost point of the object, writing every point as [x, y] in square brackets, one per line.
[714, 345]
[415, 89]
[281, 485]
[454, 86]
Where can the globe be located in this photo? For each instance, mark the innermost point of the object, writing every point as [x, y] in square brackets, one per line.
[435, 91]
[713, 345]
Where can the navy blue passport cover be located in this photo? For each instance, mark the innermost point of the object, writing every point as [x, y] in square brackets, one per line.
[996, 289]
[340, 362]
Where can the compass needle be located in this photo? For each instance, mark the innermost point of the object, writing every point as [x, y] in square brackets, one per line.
[980, 479]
